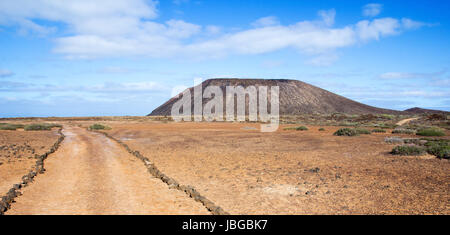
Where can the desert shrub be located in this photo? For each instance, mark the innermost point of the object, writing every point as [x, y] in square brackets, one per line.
[98, 127]
[387, 116]
[403, 131]
[408, 150]
[414, 141]
[346, 132]
[393, 140]
[321, 129]
[439, 151]
[439, 148]
[361, 131]
[384, 126]
[378, 131]
[431, 132]
[299, 128]
[9, 126]
[349, 124]
[41, 126]
[366, 117]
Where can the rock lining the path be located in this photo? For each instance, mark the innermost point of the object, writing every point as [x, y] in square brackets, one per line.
[172, 183]
[8, 199]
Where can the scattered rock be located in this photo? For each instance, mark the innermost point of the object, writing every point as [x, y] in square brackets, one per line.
[314, 170]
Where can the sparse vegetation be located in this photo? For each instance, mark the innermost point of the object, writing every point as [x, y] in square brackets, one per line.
[41, 126]
[9, 126]
[431, 132]
[349, 124]
[299, 128]
[408, 150]
[414, 146]
[346, 132]
[384, 126]
[439, 148]
[378, 131]
[99, 127]
[321, 129]
[387, 116]
[361, 131]
[403, 131]
[393, 140]
[436, 116]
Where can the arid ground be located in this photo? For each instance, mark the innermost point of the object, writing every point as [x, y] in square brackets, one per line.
[17, 153]
[234, 165]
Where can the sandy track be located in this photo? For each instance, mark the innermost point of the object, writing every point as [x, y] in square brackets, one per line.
[404, 121]
[90, 174]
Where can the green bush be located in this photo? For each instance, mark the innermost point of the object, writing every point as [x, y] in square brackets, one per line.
[408, 150]
[361, 131]
[346, 132]
[439, 151]
[439, 148]
[41, 126]
[300, 128]
[403, 131]
[431, 132]
[385, 126]
[387, 116]
[378, 131]
[349, 124]
[99, 127]
[8, 126]
[322, 129]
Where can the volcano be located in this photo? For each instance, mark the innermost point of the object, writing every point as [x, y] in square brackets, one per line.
[295, 98]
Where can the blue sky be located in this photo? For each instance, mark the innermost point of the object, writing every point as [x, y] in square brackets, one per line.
[77, 58]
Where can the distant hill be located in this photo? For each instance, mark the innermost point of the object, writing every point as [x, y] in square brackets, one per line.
[296, 97]
[417, 110]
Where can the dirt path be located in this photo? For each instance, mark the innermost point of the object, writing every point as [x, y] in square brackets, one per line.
[404, 121]
[90, 174]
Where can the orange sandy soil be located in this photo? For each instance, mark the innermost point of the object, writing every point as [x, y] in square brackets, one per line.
[91, 174]
[292, 172]
[17, 151]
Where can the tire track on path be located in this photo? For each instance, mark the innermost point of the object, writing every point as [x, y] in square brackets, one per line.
[91, 174]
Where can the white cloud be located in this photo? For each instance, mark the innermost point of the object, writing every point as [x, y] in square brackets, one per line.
[377, 28]
[403, 75]
[372, 9]
[5, 73]
[266, 21]
[328, 16]
[128, 28]
[213, 30]
[82, 16]
[411, 24]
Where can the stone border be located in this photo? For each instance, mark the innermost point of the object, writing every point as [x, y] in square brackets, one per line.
[14, 192]
[172, 183]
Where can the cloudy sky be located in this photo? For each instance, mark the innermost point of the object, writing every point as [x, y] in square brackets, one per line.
[124, 57]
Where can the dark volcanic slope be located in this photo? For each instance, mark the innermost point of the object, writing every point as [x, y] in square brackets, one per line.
[296, 97]
[421, 110]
